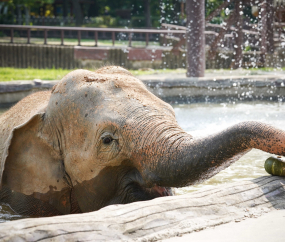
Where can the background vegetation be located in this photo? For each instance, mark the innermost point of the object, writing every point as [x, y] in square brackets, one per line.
[100, 13]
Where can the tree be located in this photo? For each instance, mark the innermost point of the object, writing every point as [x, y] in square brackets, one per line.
[27, 5]
[147, 13]
[77, 12]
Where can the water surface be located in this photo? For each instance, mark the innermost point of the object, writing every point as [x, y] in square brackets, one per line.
[203, 119]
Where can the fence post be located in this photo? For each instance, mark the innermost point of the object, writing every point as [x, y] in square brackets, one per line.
[29, 36]
[96, 38]
[130, 39]
[45, 37]
[146, 39]
[62, 37]
[12, 36]
[113, 38]
[79, 37]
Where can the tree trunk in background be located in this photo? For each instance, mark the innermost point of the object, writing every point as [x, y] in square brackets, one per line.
[65, 8]
[147, 13]
[19, 15]
[263, 28]
[27, 15]
[195, 37]
[239, 6]
[77, 12]
[270, 26]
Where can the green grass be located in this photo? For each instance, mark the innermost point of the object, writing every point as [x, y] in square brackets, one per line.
[11, 74]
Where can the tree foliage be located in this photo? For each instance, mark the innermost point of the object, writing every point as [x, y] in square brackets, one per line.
[161, 11]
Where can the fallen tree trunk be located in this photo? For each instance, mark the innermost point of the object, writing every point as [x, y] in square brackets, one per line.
[159, 218]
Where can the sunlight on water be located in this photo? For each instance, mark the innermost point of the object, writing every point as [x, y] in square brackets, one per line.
[203, 119]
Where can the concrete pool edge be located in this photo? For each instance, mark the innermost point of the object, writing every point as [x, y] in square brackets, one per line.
[13, 91]
[258, 229]
[176, 89]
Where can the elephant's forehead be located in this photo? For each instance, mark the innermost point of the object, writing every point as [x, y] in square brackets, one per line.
[119, 86]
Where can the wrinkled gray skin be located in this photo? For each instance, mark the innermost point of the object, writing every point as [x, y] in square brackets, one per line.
[100, 138]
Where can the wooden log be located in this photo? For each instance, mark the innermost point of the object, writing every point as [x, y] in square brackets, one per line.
[159, 218]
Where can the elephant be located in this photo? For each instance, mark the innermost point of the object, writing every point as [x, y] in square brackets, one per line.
[101, 138]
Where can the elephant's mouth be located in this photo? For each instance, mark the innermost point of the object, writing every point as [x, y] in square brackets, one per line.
[158, 191]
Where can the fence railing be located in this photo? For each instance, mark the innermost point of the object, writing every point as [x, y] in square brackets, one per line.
[147, 32]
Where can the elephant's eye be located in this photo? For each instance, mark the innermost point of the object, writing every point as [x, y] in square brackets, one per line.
[107, 140]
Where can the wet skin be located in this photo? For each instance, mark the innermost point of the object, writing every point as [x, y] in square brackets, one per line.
[101, 138]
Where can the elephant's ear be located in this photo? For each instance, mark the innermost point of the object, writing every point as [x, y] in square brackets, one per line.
[16, 118]
[30, 168]
[113, 70]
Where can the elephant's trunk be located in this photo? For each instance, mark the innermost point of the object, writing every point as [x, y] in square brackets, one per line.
[189, 161]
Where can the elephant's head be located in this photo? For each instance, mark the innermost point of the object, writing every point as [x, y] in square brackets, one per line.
[102, 138]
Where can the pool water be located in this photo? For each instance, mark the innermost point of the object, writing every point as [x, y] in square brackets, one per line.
[202, 119]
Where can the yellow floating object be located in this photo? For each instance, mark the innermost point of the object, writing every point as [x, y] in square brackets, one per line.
[275, 166]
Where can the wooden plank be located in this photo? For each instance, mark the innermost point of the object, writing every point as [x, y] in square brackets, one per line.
[22, 52]
[34, 56]
[28, 54]
[72, 60]
[159, 218]
[59, 48]
[56, 59]
[40, 55]
[10, 55]
[48, 57]
[6, 55]
[20, 55]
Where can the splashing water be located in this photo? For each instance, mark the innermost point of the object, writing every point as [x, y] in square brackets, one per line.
[208, 118]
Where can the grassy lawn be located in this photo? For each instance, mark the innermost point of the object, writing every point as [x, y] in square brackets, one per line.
[84, 42]
[11, 74]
